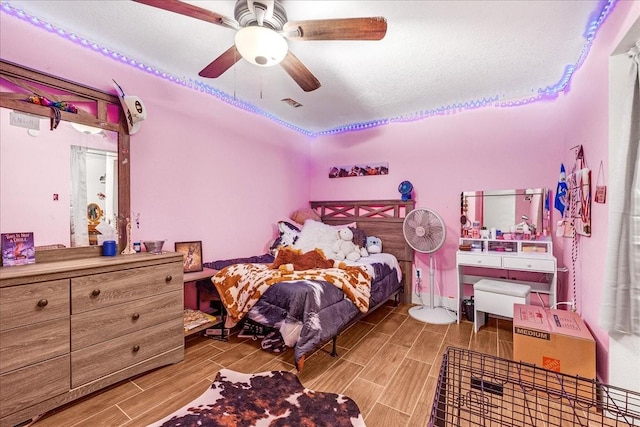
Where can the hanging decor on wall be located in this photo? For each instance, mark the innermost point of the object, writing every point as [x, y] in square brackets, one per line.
[601, 188]
[133, 108]
[55, 106]
[368, 169]
[580, 194]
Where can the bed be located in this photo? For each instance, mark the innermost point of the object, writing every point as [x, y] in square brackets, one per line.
[312, 307]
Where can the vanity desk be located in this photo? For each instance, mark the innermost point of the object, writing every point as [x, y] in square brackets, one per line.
[498, 230]
[509, 255]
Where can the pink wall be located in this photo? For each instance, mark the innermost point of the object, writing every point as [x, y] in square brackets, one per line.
[493, 149]
[585, 116]
[488, 149]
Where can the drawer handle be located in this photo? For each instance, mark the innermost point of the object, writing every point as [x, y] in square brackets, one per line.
[168, 278]
[136, 348]
[529, 265]
[135, 316]
[95, 292]
[43, 303]
[479, 261]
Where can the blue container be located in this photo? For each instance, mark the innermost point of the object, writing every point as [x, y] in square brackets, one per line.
[109, 248]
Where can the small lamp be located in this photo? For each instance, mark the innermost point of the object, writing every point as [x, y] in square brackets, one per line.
[261, 46]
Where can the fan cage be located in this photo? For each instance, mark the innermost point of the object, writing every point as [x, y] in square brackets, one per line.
[424, 230]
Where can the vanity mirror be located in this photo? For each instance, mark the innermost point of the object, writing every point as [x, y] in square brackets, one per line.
[505, 209]
[98, 112]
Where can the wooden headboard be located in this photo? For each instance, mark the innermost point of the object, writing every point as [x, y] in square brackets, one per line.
[381, 218]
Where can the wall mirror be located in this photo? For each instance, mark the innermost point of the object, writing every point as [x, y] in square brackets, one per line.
[96, 130]
[504, 209]
[60, 173]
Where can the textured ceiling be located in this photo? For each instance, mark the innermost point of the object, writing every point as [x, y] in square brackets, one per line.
[436, 56]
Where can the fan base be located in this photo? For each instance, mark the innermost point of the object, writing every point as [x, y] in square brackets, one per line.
[437, 315]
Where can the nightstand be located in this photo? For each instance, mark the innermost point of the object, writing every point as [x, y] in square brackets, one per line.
[205, 274]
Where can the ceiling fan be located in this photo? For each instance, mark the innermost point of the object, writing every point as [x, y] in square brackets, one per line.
[262, 27]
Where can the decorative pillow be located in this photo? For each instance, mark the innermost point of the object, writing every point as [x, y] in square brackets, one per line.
[316, 234]
[287, 235]
[302, 215]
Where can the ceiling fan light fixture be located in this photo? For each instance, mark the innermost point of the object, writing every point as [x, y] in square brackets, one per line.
[261, 46]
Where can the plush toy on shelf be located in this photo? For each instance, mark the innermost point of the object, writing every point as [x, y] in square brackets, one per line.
[374, 245]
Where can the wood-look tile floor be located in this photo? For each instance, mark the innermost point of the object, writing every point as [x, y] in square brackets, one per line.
[388, 363]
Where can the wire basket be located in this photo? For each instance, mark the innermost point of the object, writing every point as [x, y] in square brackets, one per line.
[477, 389]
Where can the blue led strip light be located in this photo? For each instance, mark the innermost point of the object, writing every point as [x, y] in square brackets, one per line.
[550, 92]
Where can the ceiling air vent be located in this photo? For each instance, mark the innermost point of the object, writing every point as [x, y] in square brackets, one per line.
[292, 102]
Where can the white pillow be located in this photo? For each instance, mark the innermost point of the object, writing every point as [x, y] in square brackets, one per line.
[316, 234]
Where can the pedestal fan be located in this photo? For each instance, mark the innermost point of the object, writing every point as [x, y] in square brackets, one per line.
[425, 232]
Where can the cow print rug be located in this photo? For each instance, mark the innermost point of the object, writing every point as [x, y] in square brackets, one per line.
[275, 398]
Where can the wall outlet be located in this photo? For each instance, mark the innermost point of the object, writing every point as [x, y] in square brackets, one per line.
[418, 273]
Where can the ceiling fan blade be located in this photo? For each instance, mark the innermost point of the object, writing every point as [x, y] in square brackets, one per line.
[192, 11]
[298, 72]
[373, 28]
[221, 64]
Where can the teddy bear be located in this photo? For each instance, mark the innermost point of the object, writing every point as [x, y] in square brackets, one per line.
[374, 245]
[344, 248]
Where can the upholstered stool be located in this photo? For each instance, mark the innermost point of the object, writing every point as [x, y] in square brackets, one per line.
[497, 297]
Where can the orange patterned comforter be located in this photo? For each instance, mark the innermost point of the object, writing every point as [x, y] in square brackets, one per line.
[240, 286]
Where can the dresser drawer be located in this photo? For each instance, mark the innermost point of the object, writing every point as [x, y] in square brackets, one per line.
[103, 290]
[533, 264]
[96, 326]
[27, 386]
[480, 260]
[93, 362]
[34, 343]
[38, 302]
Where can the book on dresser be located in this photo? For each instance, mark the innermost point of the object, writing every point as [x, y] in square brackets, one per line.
[17, 249]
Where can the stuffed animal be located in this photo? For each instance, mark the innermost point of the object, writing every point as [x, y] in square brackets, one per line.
[290, 259]
[344, 248]
[360, 240]
[374, 245]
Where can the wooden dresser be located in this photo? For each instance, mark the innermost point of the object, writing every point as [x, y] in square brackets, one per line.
[69, 328]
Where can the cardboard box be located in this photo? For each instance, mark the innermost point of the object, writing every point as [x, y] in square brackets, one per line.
[556, 340]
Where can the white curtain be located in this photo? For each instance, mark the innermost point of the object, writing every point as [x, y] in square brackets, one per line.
[79, 221]
[621, 297]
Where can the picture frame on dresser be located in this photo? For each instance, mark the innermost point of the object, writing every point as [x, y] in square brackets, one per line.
[192, 255]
